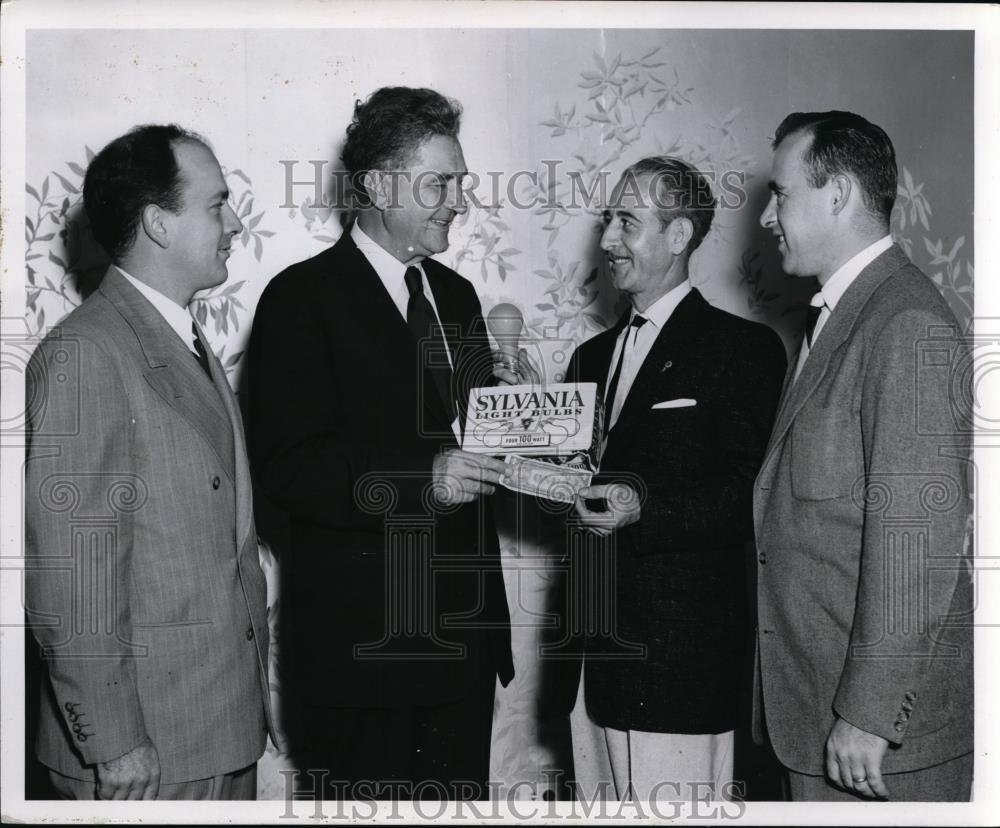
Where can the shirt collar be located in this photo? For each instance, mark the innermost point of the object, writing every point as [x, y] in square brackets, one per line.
[660, 311]
[840, 281]
[390, 269]
[177, 317]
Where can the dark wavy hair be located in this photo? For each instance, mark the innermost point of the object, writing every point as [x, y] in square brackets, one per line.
[843, 142]
[681, 192]
[133, 171]
[388, 128]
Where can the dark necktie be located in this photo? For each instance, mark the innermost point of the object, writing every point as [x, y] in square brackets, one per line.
[812, 317]
[424, 325]
[200, 354]
[609, 398]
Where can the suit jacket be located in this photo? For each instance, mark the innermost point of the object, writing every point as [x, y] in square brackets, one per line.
[144, 586]
[394, 601]
[666, 652]
[860, 510]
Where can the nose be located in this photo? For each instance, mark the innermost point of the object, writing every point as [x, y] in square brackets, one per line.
[609, 238]
[457, 201]
[768, 217]
[233, 224]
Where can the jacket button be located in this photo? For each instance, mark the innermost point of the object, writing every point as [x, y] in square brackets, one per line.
[911, 696]
[69, 706]
[898, 727]
[249, 633]
[761, 558]
[216, 482]
[81, 737]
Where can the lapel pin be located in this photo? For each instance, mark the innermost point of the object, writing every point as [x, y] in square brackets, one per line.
[666, 365]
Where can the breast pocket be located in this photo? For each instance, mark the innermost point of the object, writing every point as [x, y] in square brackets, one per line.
[826, 457]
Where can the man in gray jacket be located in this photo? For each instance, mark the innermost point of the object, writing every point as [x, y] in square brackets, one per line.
[144, 587]
[860, 508]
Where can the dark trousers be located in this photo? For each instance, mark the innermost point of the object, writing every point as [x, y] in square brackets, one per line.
[416, 752]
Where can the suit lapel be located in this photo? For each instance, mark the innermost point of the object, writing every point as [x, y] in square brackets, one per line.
[836, 331]
[172, 370]
[671, 345]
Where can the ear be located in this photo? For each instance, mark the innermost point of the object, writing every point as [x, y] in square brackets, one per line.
[841, 187]
[679, 233]
[155, 225]
[377, 185]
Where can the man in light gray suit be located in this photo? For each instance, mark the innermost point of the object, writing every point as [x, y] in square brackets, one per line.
[144, 587]
[860, 509]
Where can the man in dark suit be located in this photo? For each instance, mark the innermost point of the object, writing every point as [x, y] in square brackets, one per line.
[400, 618]
[144, 586]
[690, 393]
[860, 508]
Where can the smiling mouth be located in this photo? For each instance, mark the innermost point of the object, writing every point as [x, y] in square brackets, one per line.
[445, 223]
[616, 261]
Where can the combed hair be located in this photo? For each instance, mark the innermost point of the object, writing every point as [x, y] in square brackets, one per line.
[681, 192]
[843, 142]
[389, 127]
[132, 172]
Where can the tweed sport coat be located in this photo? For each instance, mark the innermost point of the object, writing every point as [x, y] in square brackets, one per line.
[394, 601]
[663, 608]
[860, 509]
[143, 583]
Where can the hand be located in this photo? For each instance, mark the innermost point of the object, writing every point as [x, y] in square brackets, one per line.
[461, 477]
[134, 775]
[622, 504]
[854, 759]
[526, 374]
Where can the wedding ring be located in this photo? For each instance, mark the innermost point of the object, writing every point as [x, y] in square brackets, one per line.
[860, 778]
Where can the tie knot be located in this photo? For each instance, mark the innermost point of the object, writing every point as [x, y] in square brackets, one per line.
[414, 280]
[814, 309]
[638, 321]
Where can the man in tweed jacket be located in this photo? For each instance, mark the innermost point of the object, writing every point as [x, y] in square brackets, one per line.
[864, 590]
[144, 587]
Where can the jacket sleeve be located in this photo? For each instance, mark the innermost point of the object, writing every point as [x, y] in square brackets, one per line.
[79, 470]
[916, 505]
[716, 511]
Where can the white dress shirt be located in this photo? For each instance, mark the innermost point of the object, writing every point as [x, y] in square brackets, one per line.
[177, 317]
[836, 286]
[391, 272]
[640, 341]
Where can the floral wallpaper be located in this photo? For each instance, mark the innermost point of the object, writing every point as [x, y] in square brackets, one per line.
[604, 108]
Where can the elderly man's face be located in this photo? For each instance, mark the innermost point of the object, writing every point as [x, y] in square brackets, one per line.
[636, 243]
[426, 200]
[797, 213]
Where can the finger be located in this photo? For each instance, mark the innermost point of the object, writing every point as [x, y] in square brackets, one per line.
[593, 492]
[833, 768]
[120, 792]
[528, 367]
[136, 790]
[876, 783]
[506, 376]
[859, 779]
[152, 789]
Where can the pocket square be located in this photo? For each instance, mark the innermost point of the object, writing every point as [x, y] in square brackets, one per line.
[682, 402]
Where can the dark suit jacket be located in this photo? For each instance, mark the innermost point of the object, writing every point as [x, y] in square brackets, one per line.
[864, 587]
[675, 633]
[393, 602]
[147, 591]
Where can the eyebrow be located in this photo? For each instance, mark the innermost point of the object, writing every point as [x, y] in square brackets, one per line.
[611, 213]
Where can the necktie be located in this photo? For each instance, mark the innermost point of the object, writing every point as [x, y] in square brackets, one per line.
[813, 311]
[423, 324]
[201, 355]
[609, 398]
